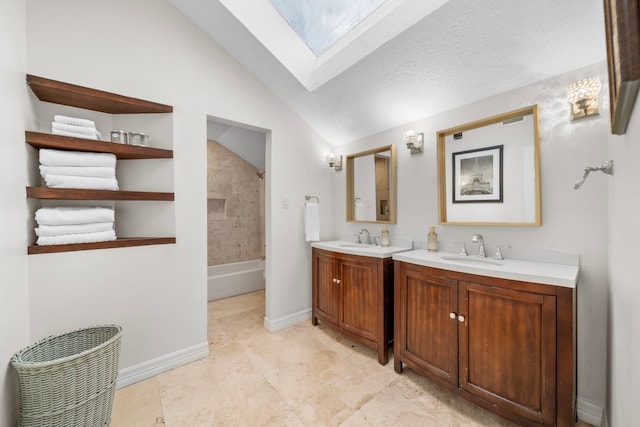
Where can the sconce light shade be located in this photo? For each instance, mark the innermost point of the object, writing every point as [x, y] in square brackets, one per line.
[335, 161]
[583, 96]
[414, 141]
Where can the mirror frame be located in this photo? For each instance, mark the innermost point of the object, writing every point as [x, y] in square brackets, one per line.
[442, 190]
[393, 191]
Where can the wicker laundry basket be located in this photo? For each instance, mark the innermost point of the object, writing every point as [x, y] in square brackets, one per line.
[69, 379]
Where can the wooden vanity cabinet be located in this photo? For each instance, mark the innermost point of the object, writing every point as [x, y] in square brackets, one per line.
[507, 346]
[354, 295]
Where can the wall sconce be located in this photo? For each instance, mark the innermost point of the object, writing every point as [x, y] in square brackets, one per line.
[335, 161]
[583, 97]
[414, 141]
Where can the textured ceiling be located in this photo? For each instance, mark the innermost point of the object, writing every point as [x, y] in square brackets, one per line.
[461, 52]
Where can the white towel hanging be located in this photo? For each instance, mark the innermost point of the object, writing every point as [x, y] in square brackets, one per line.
[312, 221]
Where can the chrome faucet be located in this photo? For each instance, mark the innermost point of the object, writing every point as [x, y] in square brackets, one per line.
[368, 240]
[477, 238]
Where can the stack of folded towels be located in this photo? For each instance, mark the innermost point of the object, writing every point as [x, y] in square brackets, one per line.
[77, 169]
[67, 225]
[77, 128]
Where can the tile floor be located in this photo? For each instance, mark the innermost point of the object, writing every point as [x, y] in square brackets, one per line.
[302, 376]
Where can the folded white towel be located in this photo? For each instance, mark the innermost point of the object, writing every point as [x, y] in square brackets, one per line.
[312, 221]
[66, 239]
[81, 182]
[74, 215]
[49, 157]
[73, 134]
[58, 230]
[74, 121]
[95, 171]
[75, 129]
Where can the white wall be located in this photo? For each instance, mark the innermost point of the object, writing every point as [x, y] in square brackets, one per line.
[146, 49]
[572, 220]
[14, 312]
[624, 295]
[246, 143]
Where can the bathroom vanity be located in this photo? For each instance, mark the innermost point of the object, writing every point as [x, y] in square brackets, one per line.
[501, 334]
[353, 292]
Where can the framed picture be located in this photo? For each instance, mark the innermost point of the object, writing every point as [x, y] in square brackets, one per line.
[622, 28]
[477, 175]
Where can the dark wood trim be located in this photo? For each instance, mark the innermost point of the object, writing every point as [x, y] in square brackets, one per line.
[82, 194]
[566, 376]
[399, 323]
[91, 99]
[122, 151]
[622, 28]
[119, 243]
[487, 280]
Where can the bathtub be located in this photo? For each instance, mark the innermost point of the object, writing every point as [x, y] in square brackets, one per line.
[227, 280]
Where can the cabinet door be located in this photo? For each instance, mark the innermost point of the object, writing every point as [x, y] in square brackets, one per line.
[359, 292]
[507, 349]
[327, 290]
[429, 334]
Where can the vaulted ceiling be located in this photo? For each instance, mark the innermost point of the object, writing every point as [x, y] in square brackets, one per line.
[409, 59]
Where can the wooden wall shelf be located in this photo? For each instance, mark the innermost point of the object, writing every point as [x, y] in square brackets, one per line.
[91, 99]
[119, 243]
[83, 194]
[122, 151]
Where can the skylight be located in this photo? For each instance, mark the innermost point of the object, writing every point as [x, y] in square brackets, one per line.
[321, 23]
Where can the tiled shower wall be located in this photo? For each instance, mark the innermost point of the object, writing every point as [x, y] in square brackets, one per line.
[235, 207]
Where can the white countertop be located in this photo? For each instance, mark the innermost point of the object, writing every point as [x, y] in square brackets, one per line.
[361, 249]
[513, 269]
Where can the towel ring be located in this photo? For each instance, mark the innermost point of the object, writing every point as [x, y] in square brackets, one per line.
[308, 197]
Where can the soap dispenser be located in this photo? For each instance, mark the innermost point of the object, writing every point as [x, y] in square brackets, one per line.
[432, 240]
[384, 236]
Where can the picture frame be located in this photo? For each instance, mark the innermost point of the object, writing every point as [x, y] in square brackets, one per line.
[477, 175]
[622, 30]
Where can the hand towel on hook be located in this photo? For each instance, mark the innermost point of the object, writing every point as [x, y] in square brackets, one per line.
[312, 221]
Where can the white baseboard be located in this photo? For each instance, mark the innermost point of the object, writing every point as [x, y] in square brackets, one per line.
[151, 368]
[285, 322]
[589, 412]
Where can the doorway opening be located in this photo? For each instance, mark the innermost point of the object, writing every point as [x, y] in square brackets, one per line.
[236, 214]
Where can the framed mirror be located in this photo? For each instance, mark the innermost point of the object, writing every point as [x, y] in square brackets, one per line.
[489, 171]
[371, 186]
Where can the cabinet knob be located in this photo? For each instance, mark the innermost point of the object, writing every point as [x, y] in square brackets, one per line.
[452, 315]
[338, 281]
[461, 318]
[334, 280]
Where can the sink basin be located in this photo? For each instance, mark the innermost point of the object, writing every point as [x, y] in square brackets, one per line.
[471, 259]
[355, 245]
